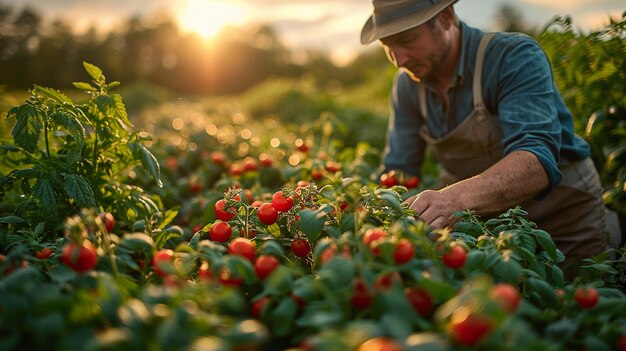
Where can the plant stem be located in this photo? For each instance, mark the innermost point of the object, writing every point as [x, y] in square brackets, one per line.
[45, 135]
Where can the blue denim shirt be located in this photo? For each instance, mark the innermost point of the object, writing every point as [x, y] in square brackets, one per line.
[518, 87]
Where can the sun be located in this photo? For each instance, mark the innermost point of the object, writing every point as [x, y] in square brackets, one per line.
[208, 17]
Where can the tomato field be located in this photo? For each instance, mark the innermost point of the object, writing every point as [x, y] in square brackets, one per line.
[193, 226]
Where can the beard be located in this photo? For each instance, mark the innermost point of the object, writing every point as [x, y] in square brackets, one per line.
[425, 70]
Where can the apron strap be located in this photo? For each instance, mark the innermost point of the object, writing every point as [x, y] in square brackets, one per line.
[478, 71]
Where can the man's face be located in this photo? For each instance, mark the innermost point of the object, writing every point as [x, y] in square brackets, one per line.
[419, 51]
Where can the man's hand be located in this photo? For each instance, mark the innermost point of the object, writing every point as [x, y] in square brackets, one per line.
[435, 208]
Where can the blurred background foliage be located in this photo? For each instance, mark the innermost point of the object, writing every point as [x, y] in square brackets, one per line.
[158, 63]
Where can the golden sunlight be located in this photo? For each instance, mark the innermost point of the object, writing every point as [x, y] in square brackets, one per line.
[208, 17]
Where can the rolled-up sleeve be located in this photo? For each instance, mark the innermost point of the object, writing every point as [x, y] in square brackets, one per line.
[526, 106]
[404, 148]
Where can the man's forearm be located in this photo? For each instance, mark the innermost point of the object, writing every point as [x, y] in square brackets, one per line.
[516, 178]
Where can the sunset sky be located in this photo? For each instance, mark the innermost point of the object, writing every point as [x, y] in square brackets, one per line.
[330, 25]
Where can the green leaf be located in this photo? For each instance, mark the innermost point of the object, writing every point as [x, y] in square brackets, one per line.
[562, 330]
[280, 281]
[72, 125]
[312, 223]
[43, 192]
[546, 242]
[596, 344]
[83, 86]
[113, 107]
[138, 242]
[11, 220]
[272, 247]
[391, 198]
[148, 161]
[474, 260]
[94, 72]
[113, 84]
[545, 290]
[337, 272]
[509, 270]
[281, 318]
[28, 127]
[439, 290]
[77, 187]
[168, 216]
[52, 94]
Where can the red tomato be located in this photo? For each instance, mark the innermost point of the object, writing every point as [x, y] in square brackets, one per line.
[507, 296]
[218, 157]
[267, 213]
[161, 257]
[80, 258]
[265, 160]
[204, 272]
[379, 344]
[108, 220]
[195, 186]
[412, 182]
[586, 297]
[332, 166]
[300, 247]
[221, 213]
[301, 145]
[258, 306]
[317, 174]
[242, 247]
[420, 299]
[282, 203]
[386, 281]
[44, 253]
[361, 296]
[171, 163]
[404, 251]
[372, 235]
[264, 265]
[220, 232]
[468, 329]
[389, 179]
[455, 257]
[249, 164]
[227, 278]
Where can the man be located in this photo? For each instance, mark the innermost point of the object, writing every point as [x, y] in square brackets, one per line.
[488, 107]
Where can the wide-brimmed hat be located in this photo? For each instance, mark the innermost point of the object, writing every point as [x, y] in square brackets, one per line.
[394, 16]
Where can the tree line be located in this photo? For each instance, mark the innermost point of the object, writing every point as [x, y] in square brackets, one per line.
[156, 52]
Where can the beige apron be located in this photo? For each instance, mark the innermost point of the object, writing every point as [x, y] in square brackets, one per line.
[573, 213]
